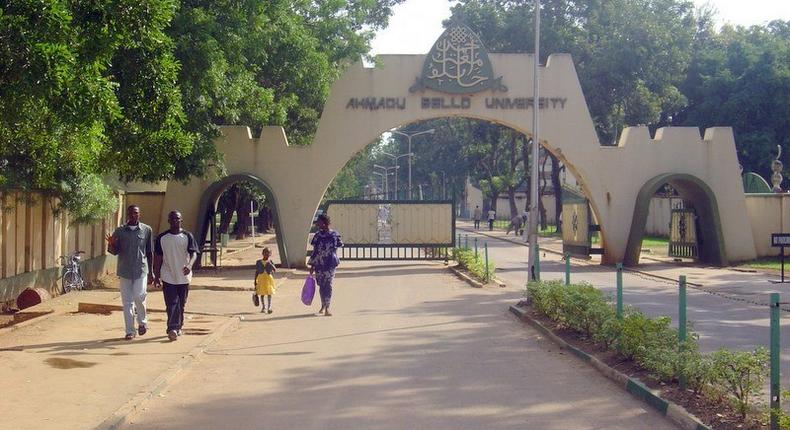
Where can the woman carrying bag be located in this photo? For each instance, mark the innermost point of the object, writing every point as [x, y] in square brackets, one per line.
[324, 260]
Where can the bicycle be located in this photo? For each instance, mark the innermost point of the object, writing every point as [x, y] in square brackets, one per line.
[71, 278]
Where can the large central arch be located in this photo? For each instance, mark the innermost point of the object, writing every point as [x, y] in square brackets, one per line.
[365, 102]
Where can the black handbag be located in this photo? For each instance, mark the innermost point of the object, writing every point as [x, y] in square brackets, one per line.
[256, 300]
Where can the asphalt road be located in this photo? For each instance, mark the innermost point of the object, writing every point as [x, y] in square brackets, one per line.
[723, 312]
[409, 346]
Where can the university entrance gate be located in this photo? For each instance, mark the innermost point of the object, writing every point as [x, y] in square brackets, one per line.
[458, 78]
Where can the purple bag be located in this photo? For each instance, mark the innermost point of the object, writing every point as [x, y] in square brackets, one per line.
[308, 290]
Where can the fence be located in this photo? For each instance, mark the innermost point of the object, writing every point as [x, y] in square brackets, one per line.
[773, 311]
[33, 237]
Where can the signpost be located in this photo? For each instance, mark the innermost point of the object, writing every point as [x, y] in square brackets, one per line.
[780, 240]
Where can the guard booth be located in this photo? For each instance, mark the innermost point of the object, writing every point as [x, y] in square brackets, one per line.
[394, 229]
[577, 225]
[683, 238]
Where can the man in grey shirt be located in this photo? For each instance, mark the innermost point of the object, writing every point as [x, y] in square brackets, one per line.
[133, 244]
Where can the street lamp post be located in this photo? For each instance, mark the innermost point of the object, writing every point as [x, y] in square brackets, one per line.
[395, 163]
[383, 181]
[386, 175]
[409, 136]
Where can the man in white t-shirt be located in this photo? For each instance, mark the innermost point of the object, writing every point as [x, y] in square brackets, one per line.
[175, 251]
[491, 218]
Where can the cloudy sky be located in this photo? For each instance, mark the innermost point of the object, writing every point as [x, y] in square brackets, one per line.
[416, 24]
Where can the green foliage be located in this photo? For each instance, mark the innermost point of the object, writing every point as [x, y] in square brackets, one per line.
[741, 374]
[782, 417]
[137, 89]
[631, 55]
[351, 181]
[739, 77]
[474, 264]
[88, 197]
[88, 88]
[652, 342]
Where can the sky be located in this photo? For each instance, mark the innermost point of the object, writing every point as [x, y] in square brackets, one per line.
[416, 24]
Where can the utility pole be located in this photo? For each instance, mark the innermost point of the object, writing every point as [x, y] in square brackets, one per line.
[534, 274]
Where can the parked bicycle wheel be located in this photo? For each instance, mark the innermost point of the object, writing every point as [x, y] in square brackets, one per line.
[71, 280]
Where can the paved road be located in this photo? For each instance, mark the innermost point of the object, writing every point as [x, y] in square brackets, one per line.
[409, 347]
[732, 321]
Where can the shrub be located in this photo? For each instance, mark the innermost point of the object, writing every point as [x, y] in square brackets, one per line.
[474, 264]
[741, 374]
[653, 343]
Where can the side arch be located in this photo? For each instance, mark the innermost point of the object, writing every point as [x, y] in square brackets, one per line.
[209, 200]
[712, 249]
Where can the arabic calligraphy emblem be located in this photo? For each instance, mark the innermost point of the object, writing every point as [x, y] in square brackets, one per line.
[458, 64]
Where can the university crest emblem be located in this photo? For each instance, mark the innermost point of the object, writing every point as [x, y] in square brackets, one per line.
[458, 64]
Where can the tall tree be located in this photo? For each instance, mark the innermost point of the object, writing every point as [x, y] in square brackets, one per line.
[137, 89]
[740, 77]
[82, 86]
[630, 55]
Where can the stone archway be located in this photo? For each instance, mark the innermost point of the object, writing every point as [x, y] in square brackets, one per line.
[712, 249]
[209, 201]
[365, 102]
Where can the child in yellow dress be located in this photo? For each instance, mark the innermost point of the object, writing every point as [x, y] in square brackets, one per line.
[264, 281]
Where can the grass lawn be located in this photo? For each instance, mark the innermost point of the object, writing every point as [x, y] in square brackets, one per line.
[767, 263]
[655, 243]
[500, 224]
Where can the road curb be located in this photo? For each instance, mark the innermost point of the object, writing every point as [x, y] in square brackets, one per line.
[673, 412]
[123, 414]
[551, 251]
[473, 281]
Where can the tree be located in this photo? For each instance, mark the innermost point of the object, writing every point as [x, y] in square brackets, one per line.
[265, 63]
[630, 55]
[137, 89]
[740, 77]
[84, 84]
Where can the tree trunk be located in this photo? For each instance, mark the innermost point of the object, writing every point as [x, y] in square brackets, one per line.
[511, 196]
[557, 186]
[525, 156]
[543, 183]
[242, 217]
[227, 206]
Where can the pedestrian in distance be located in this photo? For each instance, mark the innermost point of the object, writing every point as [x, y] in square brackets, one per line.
[176, 252]
[323, 260]
[478, 215]
[524, 222]
[491, 218]
[515, 225]
[132, 244]
[264, 281]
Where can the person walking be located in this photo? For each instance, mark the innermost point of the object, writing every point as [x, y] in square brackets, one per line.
[176, 251]
[264, 281]
[524, 224]
[491, 218]
[515, 225]
[478, 215]
[132, 244]
[323, 260]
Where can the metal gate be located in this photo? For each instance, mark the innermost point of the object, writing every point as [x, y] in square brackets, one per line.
[577, 226]
[683, 232]
[394, 229]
